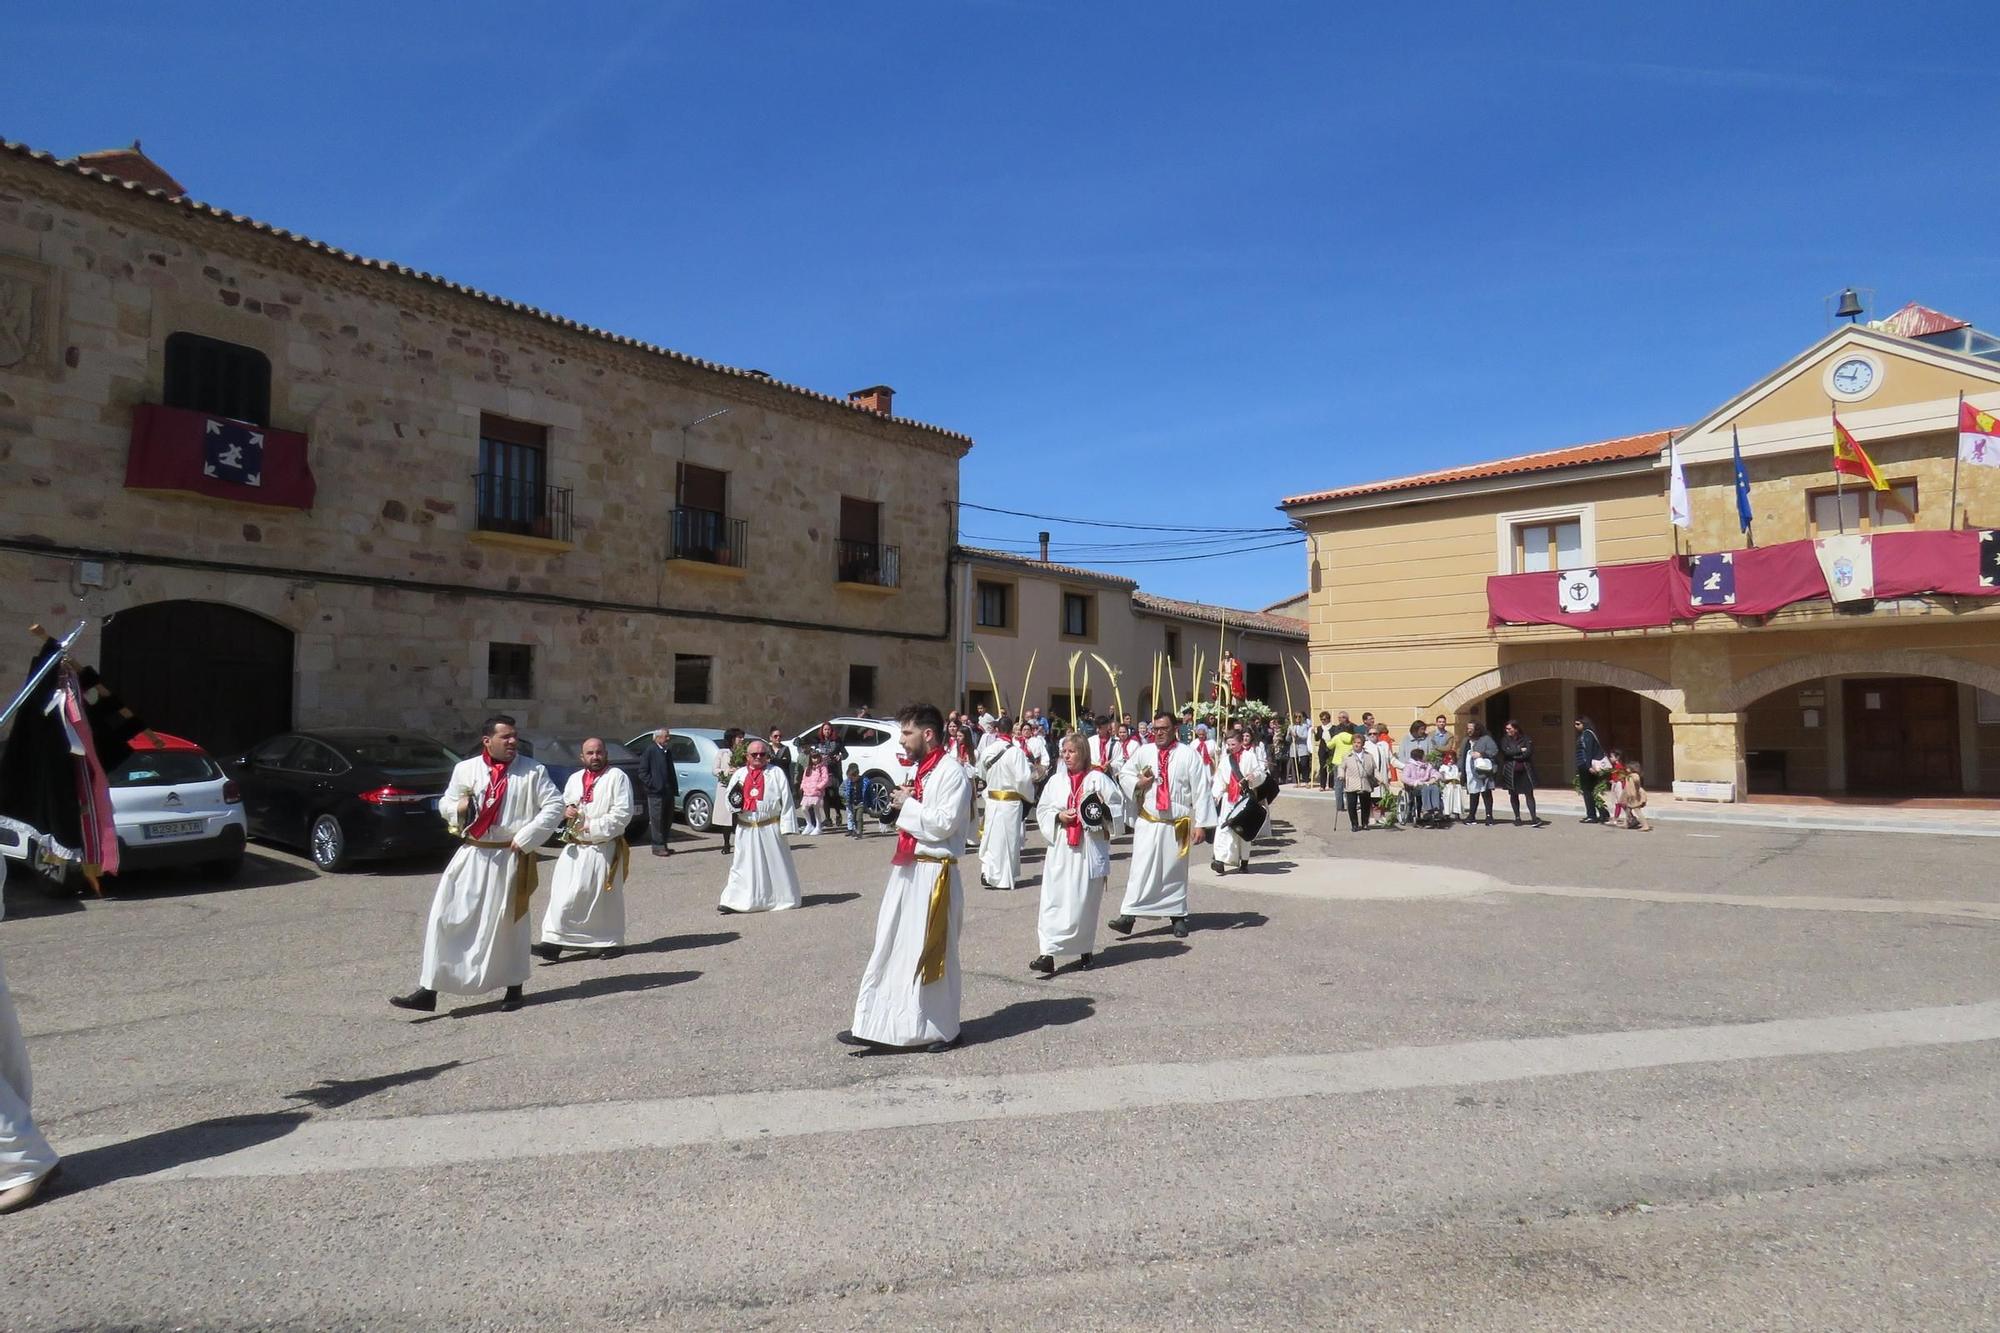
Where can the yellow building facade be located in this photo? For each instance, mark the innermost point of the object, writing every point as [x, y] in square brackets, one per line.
[1896, 696]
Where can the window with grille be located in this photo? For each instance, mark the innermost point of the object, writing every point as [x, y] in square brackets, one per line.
[225, 379]
[510, 671]
[513, 477]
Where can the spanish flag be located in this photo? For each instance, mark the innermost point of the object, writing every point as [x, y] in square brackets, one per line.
[1851, 458]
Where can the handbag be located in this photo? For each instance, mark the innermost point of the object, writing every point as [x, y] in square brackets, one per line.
[1482, 763]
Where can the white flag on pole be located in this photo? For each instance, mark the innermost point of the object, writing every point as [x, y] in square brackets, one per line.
[1677, 487]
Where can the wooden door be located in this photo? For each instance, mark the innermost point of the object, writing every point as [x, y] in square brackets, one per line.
[213, 674]
[1902, 735]
[1615, 713]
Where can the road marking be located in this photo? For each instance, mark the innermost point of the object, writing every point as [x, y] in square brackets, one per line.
[901, 1102]
[1704, 835]
[1976, 911]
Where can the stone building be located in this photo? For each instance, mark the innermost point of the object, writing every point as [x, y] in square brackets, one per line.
[1019, 610]
[452, 503]
[1555, 584]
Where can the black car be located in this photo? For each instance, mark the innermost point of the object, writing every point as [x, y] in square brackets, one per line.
[560, 757]
[347, 794]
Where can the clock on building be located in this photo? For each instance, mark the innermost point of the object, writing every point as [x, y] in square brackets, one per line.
[1854, 377]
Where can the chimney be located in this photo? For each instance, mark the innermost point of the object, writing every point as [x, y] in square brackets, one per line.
[1045, 546]
[876, 398]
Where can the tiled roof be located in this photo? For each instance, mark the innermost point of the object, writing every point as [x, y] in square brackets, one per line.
[1622, 449]
[1008, 558]
[191, 207]
[1262, 622]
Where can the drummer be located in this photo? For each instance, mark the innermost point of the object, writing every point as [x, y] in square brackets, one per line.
[1238, 775]
[1076, 812]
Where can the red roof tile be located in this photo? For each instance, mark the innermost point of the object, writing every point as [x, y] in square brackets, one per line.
[1623, 449]
[1262, 622]
[1028, 562]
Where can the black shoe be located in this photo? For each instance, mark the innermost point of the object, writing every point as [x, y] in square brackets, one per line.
[940, 1047]
[725, 911]
[1218, 867]
[1121, 924]
[422, 999]
[1517, 821]
[1044, 965]
[847, 1038]
[551, 952]
[1084, 961]
[1540, 823]
[607, 954]
[511, 1000]
[1180, 927]
[661, 851]
[1489, 821]
[726, 848]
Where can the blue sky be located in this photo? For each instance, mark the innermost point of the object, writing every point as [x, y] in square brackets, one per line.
[1166, 262]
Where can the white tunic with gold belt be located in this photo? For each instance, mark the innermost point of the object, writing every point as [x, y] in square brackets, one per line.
[1010, 785]
[586, 898]
[762, 877]
[477, 937]
[1162, 840]
[910, 988]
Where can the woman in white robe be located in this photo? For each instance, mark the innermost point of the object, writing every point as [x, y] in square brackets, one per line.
[1078, 861]
[1010, 785]
[762, 877]
[586, 908]
[477, 937]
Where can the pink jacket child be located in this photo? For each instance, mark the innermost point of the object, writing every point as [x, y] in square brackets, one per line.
[812, 787]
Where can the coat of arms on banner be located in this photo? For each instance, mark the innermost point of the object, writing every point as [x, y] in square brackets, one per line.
[1578, 591]
[232, 451]
[1989, 558]
[1712, 579]
[1849, 566]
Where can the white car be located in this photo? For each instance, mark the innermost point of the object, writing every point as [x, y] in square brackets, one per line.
[173, 806]
[873, 744]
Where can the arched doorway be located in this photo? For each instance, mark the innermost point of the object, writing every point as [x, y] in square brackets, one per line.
[1865, 735]
[216, 674]
[1629, 709]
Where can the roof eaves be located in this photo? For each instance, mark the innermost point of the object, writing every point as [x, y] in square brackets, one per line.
[195, 207]
[1619, 449]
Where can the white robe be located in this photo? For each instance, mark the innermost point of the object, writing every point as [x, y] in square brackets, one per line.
[1158, 880]
[1010, 785]
[1073, 877]
[24, 1154]
[762, 877]
[477, 937]
[894, 1007]
[1231, 848]
[586, 909]
[1110, 756]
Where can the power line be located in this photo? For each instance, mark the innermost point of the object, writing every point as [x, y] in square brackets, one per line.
[1160, 543]
[1210, 555]
[1135, 527]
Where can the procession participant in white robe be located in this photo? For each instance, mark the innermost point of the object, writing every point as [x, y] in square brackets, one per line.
[1036, 747]
[1167, 788]
[1203, 748]
[504, 807]
[1240, 772]
[1010, 785]
[910, 989]
[762, 877]
[27, 1163]
[1079, 857]
[586, 909]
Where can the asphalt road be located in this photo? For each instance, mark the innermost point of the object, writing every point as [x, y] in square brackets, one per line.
[1483, 1078]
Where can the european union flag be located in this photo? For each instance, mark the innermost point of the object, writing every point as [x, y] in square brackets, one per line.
[1742, 484]
[1712, 580]
[232, 451]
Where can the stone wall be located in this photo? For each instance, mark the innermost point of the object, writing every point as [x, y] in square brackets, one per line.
[391, 591]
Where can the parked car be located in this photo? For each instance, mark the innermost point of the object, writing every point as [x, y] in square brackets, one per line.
[873, 744]
[693, 751]
[174, 806]
[347, 794]
[561, 757]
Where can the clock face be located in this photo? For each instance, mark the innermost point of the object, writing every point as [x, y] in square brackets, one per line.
[1853, 377]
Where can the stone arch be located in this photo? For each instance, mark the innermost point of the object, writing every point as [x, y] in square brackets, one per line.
[1561, 668]
[1882, 662]
[214, 672]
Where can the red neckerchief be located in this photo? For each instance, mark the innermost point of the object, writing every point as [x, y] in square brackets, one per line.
[1075, 829]
[489, 804]
[1165, 805]
[906, 842]
[753, 789]
[1235, 778]
[589, 784]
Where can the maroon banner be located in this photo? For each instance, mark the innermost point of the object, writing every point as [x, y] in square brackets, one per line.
[174, 449]
[1766, 579]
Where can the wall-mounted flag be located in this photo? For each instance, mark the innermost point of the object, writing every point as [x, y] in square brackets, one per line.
[1848, 562]
[1577, 591]
[1978, 436]
[1712, 580]
[1851, 458]
[1989, 559]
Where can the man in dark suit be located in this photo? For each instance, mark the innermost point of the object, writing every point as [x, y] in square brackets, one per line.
[663, 790]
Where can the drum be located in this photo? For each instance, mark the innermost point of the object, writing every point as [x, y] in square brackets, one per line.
[736, 797]
[1268, 789]
[1093, 812]
[1246, 817]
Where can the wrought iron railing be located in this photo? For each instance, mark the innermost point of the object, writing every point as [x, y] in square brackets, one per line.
[524, 508]
[705, 535]
[868, 562]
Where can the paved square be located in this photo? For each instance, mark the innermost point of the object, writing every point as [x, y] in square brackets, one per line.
[1502, 1078]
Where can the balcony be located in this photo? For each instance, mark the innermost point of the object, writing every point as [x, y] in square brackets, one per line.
[868, 564]
[514, 507]
[708, 537]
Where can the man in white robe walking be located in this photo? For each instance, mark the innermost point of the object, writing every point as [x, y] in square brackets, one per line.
[503, 807]
[1079, 856]
[27, 1163]
[909, 995]
[586, 908]
[1238, 774]
[762, 877]
[1010, 785]
[1167, 789]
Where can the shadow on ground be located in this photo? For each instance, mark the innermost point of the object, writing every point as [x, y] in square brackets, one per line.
[1025, 1016]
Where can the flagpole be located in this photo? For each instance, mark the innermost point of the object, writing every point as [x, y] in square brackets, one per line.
[1957, 453]
[1839, 477]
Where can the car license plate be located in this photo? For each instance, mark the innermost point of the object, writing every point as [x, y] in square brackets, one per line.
[179, 828]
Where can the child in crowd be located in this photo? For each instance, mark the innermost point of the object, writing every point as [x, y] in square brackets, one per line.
[853, 795]
[1631, 797]
[1451, 786]
[1420, 793]
[812, 794]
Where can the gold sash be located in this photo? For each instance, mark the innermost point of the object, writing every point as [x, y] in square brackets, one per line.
[757, 823]
[937, 923]
[1003, 796]
[1183, 829]
[621, 858]
[522, 880]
